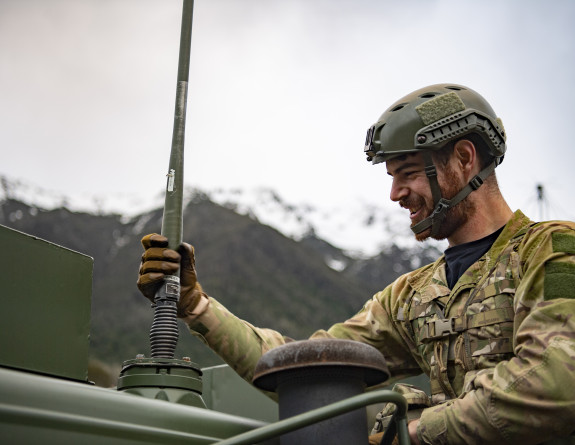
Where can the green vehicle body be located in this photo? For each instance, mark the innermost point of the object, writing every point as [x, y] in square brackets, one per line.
[45, 394]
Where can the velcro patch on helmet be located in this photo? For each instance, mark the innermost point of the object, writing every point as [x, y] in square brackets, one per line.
[440, 107]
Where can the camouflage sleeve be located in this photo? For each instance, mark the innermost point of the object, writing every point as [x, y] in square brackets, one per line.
[531, 397]
[376, 324]
[240, 344]
[236, 341]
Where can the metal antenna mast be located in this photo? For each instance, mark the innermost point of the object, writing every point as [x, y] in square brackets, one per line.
[164, 331]
[162, 376]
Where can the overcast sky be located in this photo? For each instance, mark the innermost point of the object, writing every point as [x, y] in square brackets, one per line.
[281, 91]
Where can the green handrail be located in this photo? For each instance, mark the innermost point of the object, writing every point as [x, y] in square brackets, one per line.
[326, 412]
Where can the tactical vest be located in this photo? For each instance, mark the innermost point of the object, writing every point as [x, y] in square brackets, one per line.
[461, 331]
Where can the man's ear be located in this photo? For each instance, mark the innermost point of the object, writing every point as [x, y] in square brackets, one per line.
[465, 155]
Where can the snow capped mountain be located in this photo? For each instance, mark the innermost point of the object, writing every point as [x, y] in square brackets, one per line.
[360, 228]
[36, 196]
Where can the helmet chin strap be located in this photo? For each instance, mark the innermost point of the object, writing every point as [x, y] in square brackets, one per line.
[441, 204]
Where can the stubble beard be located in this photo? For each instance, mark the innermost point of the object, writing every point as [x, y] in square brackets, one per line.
[456, 216]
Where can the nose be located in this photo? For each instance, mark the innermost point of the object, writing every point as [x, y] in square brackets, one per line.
[398, 191]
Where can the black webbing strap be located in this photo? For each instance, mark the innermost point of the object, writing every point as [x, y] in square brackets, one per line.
[442, 205]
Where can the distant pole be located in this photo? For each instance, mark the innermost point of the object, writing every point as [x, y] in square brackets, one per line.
[541, 201]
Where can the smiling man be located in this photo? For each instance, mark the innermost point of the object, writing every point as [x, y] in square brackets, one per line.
[491, 322]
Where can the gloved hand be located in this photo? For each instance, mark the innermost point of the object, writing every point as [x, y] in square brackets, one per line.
[158, 260]
[375, 439]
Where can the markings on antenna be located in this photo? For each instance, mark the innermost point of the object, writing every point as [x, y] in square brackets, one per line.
[171, 177]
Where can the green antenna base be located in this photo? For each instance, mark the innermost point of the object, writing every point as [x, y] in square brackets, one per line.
[172, 380]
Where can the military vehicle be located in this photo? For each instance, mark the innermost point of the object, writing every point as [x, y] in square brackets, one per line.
[46, 397]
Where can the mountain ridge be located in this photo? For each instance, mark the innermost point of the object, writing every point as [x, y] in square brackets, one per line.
[259, 273]
[360, 228]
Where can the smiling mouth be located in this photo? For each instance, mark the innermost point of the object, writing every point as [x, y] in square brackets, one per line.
[413, 213]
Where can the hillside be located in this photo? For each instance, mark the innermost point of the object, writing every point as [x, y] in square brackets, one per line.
[257, 272]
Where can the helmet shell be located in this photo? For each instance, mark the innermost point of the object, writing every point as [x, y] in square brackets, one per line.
[431, 117]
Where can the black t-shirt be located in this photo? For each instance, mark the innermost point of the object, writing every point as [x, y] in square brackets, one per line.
[459, 258]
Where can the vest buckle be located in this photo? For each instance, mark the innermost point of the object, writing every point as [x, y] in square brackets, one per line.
[442, 327]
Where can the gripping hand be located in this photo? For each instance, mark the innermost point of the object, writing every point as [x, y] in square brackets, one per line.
[158, 261]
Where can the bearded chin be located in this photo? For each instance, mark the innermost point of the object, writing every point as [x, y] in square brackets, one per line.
[422, 236]
[419, 202]
[455, 218]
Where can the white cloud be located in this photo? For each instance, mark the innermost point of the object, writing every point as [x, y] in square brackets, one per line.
[281, 92]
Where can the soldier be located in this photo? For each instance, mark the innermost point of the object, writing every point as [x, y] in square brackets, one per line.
[491, 322]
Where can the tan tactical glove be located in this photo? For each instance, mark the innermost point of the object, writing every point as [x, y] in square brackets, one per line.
[375, 439]
[158, 260]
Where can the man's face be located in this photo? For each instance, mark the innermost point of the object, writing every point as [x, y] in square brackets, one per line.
[411, 189]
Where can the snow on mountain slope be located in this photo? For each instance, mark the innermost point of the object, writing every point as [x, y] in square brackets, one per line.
[360, 228]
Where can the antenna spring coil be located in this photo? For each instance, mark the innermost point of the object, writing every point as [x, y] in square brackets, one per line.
[164, 330]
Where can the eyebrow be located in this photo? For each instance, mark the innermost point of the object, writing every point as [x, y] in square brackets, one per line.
[403, 167]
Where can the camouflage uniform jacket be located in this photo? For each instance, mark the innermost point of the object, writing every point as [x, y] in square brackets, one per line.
[499, 347]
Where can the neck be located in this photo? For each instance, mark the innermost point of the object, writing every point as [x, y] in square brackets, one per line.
[491, 213]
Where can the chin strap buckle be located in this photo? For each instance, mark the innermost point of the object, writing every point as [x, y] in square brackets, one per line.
[476, 182]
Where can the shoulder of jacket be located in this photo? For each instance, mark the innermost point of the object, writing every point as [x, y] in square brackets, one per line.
[558, 235]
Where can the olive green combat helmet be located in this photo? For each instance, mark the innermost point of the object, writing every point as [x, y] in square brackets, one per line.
[427, 120]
